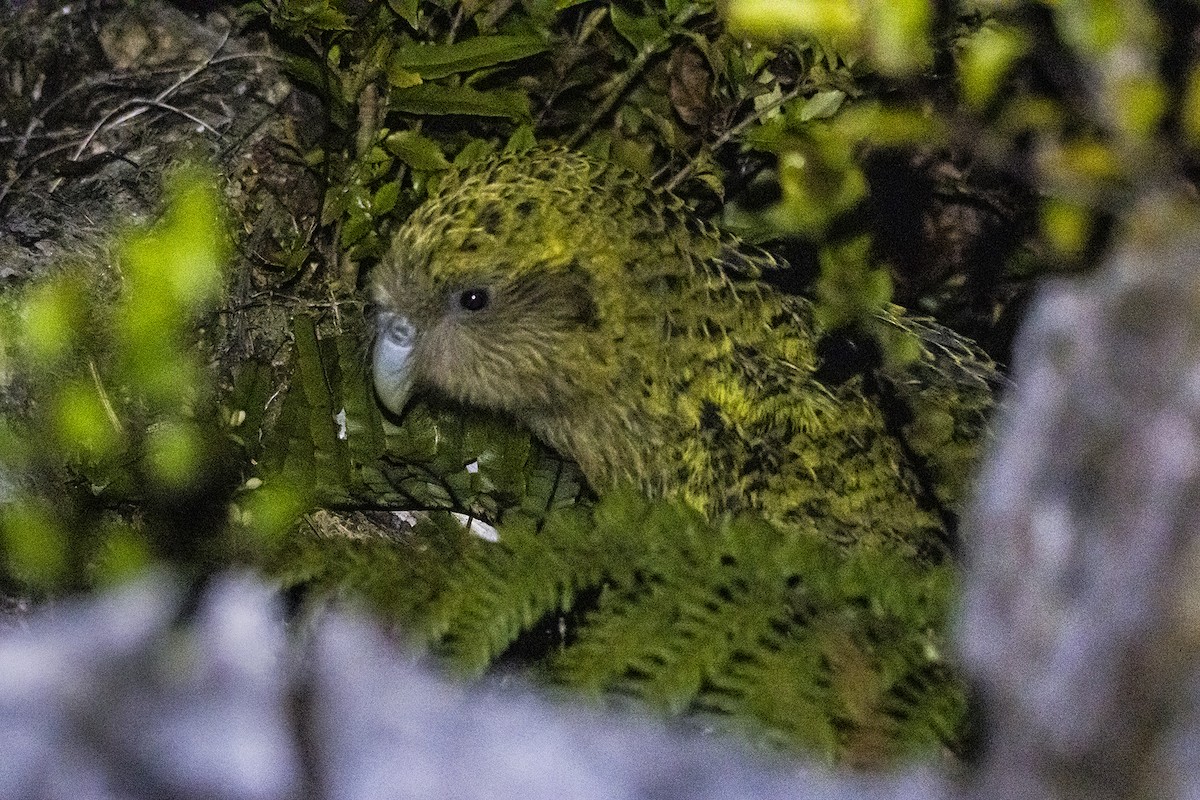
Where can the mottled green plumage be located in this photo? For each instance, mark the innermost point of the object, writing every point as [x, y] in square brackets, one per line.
[644, 344]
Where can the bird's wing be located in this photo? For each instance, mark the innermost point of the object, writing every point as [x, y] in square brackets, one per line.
[948, 387]
[935, 398]
[773, 437]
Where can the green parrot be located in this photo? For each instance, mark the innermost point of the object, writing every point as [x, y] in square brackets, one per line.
[646, 345]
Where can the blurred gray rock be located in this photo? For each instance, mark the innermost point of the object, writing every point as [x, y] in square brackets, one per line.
[110, 700]
[118, 699]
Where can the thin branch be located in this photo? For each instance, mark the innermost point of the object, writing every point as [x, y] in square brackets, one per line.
[186, 115]
[142, 104]
[720, 141]
[109, 411]
[635, 69]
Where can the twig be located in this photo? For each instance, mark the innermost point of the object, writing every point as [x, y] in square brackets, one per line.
[583, 31]
[18, 174]
[109, 411]
[720, 141]
[186, 115]
[458, 18]
[635, 69]
[155, 102]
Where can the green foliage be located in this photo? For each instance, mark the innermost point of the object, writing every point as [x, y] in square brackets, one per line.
[820, 89]
[411, 87]
[782, 636]
[331, 433]
[431, 61]
[986, 59]
[741, 621]
[1068, 106]
[125, 454]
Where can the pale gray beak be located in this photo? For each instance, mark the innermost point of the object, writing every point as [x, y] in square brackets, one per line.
[391, 360]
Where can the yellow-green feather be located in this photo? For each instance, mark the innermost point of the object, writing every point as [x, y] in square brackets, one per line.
[644, 344]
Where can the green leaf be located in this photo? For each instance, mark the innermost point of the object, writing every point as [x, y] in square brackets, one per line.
[55, 313]
[35, 545]
[1189, 114]
[1066, 225]
[522, 139]
[1092, 28]
[432, 61]
[385, 198]
[822, 105]
[406, 10]
[302, 18]
[644, 33]
[306, 71]
[850, 287]
[677, 7]
[1140, 102]
[401, 78]
[429, 98]
[899, 33]
[419, 152]
[355, 228]
[772, 19]
[475, 151]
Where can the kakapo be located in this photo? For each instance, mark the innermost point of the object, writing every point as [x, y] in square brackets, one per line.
[647, 345]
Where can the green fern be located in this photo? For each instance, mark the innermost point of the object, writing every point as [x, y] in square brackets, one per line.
[791, 639]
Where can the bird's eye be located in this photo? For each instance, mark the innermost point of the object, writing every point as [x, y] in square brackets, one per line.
[474, 299]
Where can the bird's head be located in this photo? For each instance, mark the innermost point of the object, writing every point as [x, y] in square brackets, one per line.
[503, 291]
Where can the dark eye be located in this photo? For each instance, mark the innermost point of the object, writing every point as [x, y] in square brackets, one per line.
[474, 299]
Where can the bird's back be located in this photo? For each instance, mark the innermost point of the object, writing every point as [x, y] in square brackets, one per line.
[758, 428]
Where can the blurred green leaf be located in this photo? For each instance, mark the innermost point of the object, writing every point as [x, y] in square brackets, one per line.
[889, 126]
[822, 105]
[1066, 225]
[268, 512]
[54, 313]
[773, 19]
[1139, 102]
[851, 288]
[1090, 26]
[985, 59]
[174, 453]
[123, 554]
[899, 36]
[36, 547]
[84, 421]
[185, 251]
[818, 175]
[1083, 159]
[1189, 113]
